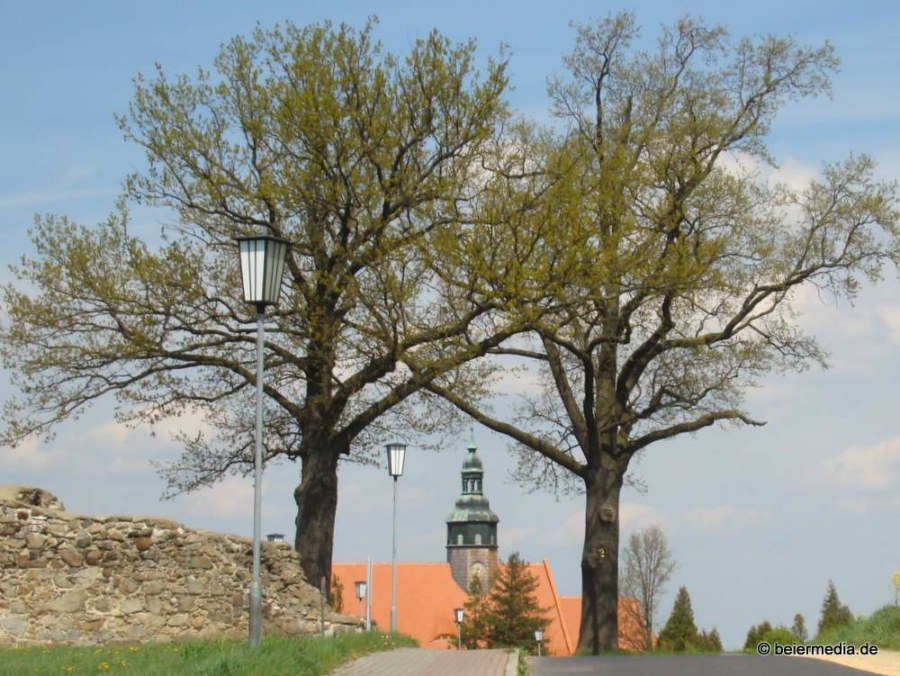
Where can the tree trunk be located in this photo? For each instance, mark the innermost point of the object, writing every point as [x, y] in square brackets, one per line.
[316, 497]
[600, 564]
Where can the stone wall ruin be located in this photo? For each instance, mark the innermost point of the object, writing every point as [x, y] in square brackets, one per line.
[68, 578]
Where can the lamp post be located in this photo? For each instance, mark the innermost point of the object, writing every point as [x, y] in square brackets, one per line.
[396, 454]
[360, 594]
[459, 613]
[539, 637]
[262, 265]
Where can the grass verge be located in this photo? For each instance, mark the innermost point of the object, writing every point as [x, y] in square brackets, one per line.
[277, 656]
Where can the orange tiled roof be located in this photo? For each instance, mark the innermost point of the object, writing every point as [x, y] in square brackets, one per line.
[629, 628]
[427, 595]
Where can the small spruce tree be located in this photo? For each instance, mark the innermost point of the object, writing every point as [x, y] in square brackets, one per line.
[714, 641]
[833, 613]
[513, 612]
[474, 628]
[709, 642]
[680, 632]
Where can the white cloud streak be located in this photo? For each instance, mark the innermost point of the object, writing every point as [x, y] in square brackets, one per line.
[871, 468]
[725, 517]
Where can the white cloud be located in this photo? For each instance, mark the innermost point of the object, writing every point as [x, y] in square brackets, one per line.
[570, 531]
[790, 172]
[110, 433]
[890, 316]
[872, 468]
[231, 498]
[725, 517]
[863, 505]
[639, 516]
[516, 381]
[33, 198]
[517, 537]
[120, 449]
[29, 456]
[79, 171]
[189, 422]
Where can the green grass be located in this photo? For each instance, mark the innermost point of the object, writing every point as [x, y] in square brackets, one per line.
[277, 656]
[882, 628]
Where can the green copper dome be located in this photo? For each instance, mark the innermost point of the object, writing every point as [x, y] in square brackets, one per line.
[472, 506]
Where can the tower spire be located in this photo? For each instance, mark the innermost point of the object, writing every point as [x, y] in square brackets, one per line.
[472, 527]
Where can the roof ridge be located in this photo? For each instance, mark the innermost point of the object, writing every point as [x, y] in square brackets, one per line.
[559, 611]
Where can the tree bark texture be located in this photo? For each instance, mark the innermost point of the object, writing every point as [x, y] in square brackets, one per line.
[316, 496]
[600, 564]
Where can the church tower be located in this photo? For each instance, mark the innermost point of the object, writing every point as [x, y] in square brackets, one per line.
[472, 529]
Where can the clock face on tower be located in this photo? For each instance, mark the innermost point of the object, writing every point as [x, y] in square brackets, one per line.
[478, 569]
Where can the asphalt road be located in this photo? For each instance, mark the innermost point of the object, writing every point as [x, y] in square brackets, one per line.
[687, 665]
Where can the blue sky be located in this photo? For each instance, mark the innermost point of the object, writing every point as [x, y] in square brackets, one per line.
[759, 519]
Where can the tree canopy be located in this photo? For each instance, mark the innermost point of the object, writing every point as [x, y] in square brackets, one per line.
[688, 261]
[368, 163]
[653, 270]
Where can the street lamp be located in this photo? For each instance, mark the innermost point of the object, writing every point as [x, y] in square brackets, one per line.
[460, 614]
[262, 265]
[360, 594]
[396, 454]
[539, 637]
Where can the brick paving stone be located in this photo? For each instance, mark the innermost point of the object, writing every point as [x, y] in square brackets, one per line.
[420, 662]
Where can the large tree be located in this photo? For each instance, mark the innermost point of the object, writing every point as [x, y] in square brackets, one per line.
[690, 261]
[365, 161]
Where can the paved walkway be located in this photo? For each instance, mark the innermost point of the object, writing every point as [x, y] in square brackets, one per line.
[421, 662]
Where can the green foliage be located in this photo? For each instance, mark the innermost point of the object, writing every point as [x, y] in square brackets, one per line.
[834, 614]
[881, 628]
[475, 627]
[509, 614]
[799, 628]
[709, 642]
[680, 633]
[766, 633]
[779, 634]
[678, 268]
[276, 656]
[756, 635]
[366, 162]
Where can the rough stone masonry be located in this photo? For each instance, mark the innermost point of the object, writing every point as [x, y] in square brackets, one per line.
[68, 578]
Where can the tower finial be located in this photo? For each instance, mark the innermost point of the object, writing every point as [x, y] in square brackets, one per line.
[472, 445]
